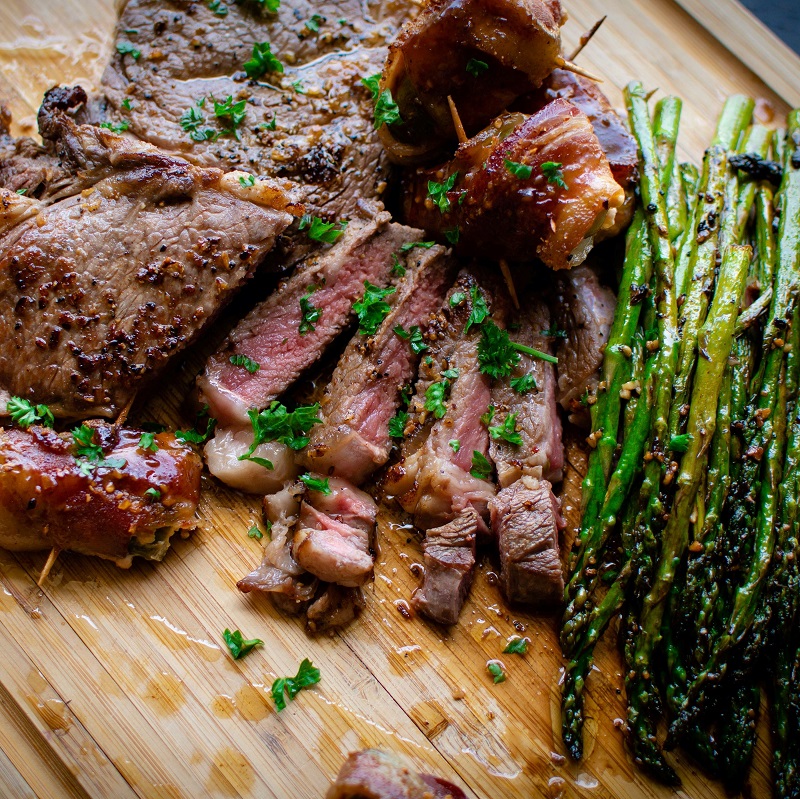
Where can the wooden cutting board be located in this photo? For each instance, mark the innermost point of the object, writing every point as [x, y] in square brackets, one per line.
[116, 683]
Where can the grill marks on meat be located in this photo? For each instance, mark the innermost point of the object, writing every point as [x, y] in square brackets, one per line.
[526, 520]
[372, 774]
[323, 135]
[585, 310]
[111, 274]
[46, 500]
[504, 215]
[270, 335]
[364, 392]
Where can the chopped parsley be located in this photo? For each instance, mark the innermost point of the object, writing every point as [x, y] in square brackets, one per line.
[153, 494]
[373, 83]
[453, 234]
[517, 646]
[372, 308]
[425, 245]
[277, 423]
[238, 645]
[307, 675]
[438, 192]
[480, 310]
[25, 413]
[250, 180]
[435, 397]
[245, 363]
[119, 127]
[521, 171]
[486, 418]
[414, 338]
[254, 532]
[21, 192]
[126, 48]
[552, 171]
[450, 374]
[319, 230]
[386, 110]
[309, 313]
[126, 103]
[314, 23]
[456, 298]
[507, 430]
[398, 270]
[89, 455]
[554, 332]
[218, 7]
[498, 355]
[397, 424]
[297, 85]
[262, 60]
[321, 484]
[476, 67]
[148, 441]
[195, 436]
[271, 125]
[192, 121]
[496, 670]
[454, 444]
[481, 468]
[271, 5]
[234, 112]
[680, 443]
[523, 384]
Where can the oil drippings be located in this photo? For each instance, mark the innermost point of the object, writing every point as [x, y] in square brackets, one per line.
[53, 712]
[231, 774]
[165, 693]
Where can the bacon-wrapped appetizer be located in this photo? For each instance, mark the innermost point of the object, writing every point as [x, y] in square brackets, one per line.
[99, 490]
[481, 53]
[523, 188]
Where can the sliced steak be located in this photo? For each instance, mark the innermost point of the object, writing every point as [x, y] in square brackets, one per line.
[313, 122]
[336, 606]
[527, 520]
[449, 559]
[364, 392]
[541, 452]
[271, 334]
[585, 310]
[108, 276]
[128, 503]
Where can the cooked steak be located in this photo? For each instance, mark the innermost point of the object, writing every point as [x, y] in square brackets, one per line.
[364, 392]
[277, 334]
[525, 187]
[119, 266]
[526, 519]
[312, 122]
[449, 559]
[534, 411]
[115, 501]
[336, 606]
[584, 309]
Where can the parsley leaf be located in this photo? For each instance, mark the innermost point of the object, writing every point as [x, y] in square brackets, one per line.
[680, 443]
[486, 418]
[373, 84]
[245, 363]
[276, 423]
[307, 675]
[120, 127]
[507, 430]
[309, 313]
[480, 310]
[25, 414]
[454, 444]
[250, 180]
[126, 48]
[263, 60]
[456, 298]
[218, 7]
[425, 245]
[523, 384]
[89, 455]
[192, 120]
[498, 355]
[414, 338]
[195, 436]
[476, 67]
[518, 646]
[313, 23]
[297, 85]
[270, 5]
[153, 494]
[554, 332]
[386, 110]
[450, 374]
[521, 171]
[372, 308]
[552, 171]
[438, 192]
[318, 230]
[496, 670]
[271, 125]
[397, 424]
[452, 234]
[435, 398]
[238, 645]
[254, 532]
[234, 112]
[148, 441]
[481, 468]
[321, 484]
[398, 270]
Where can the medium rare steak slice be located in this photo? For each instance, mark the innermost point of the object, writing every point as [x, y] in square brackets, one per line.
[364, 392]
[534, 411]
[113, 272]
[526, 519]
[585, 310]
[449, 558]
[278, 334]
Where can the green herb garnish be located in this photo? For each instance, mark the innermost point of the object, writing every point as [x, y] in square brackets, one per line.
[398, 270]
[518, 646]
[496, 670]
[414, 338]
[262, 60]
[235, 113]
[438, 192]
[238, 645]
[277, 423]
[119, 127]
[245, 363]
[454, 444]
[480, 310]
[476, 67]
[680, 443]
[481, 468]
[25, 413]
[507, 430]
[306, 676]
[521, 171]
[254, 532]
[309, 313]
[192, 120]
[321, 484]
[552, 171]
[435, 398]
[153, 494]
[195, 436]
[148, 441]
[425, 245]
[372, 308]
[397, 424]
[523, 384]
[126, 48]
[89, 455]
[314, 23]
[498, 355]
[318, 230]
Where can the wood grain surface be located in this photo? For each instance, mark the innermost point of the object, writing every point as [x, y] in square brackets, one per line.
[116, 683]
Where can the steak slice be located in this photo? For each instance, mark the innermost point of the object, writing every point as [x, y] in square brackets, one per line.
[336, 606]
[526, 519]
[49, 498]
[113, 272]
[541, 453]
[270, 335]
[364, 392]
[449, 558]
[585, 310]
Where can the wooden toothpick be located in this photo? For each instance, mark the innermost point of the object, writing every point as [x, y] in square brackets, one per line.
[460, 132]
[585, 39]
[51, 559]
